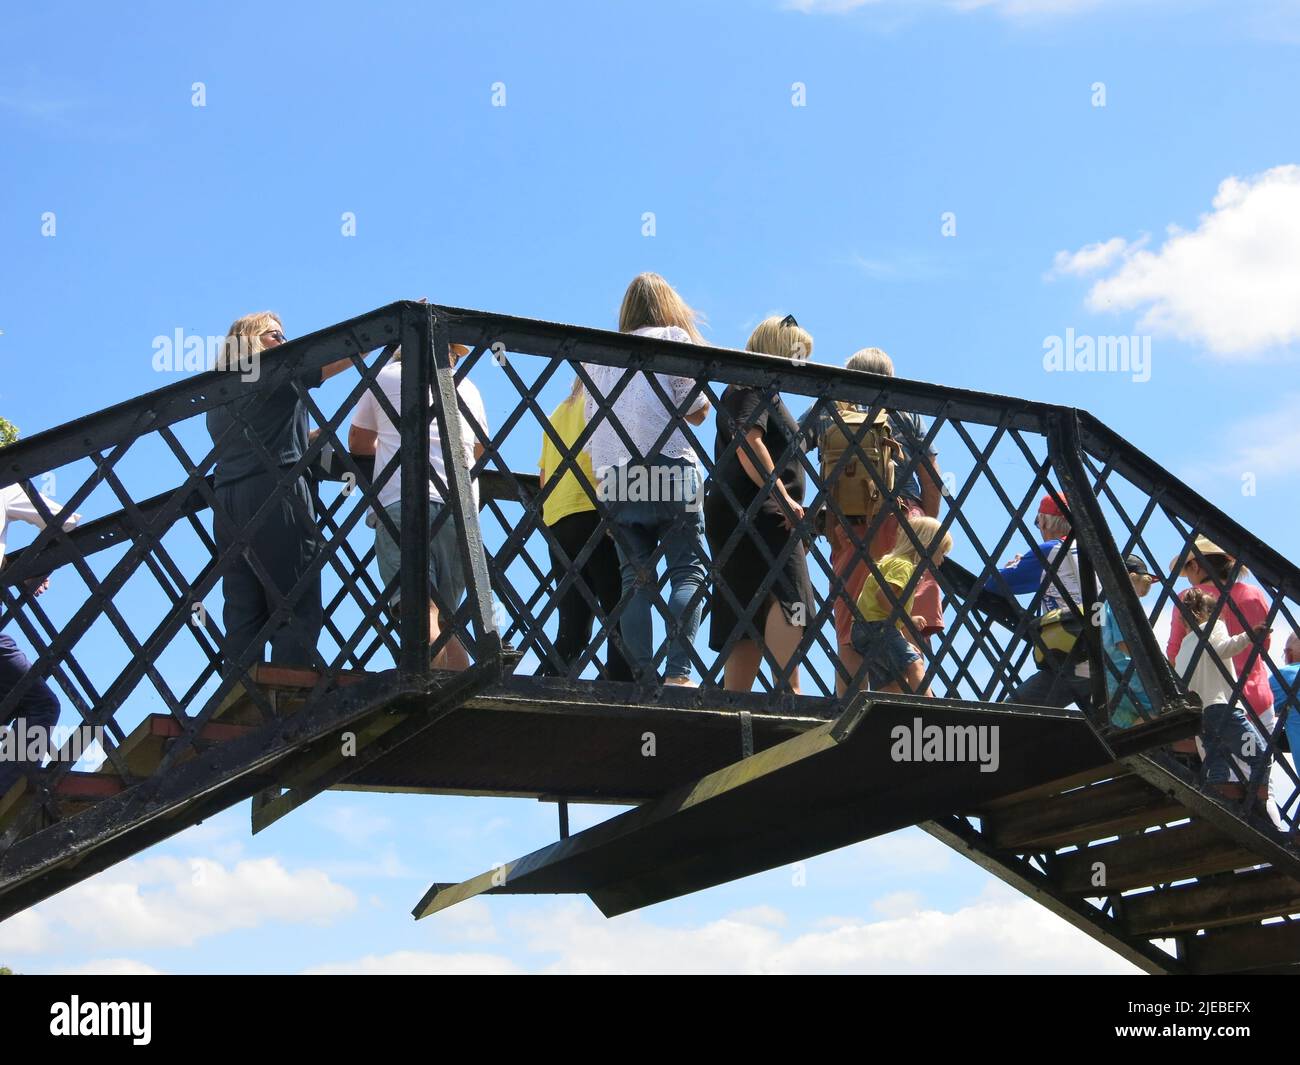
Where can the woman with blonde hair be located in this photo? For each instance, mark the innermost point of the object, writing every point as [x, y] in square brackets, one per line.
[651, 407]
[570, 514]
[256, 436]
[758, 452]
[888, 646]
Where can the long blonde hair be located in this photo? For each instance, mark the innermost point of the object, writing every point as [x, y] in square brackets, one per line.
[244, 338]
[926, 531]
[652, 301]
[774, 337]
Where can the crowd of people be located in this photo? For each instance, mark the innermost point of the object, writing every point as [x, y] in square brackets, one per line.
[737, 541]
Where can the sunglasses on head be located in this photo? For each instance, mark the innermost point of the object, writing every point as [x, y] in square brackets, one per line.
[789, 320]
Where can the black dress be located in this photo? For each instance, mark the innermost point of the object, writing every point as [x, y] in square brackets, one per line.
[745, 565]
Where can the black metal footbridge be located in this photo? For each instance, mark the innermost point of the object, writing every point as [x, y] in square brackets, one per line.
[1113, 829]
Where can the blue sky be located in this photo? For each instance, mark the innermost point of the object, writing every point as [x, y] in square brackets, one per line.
[1169, 212]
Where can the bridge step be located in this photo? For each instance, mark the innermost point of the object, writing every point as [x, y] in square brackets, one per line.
[1160, 857]
[1109, 808]
[1052, 788]
[1212, 903]
[1260, 948]
[77, 791]
[144, 748]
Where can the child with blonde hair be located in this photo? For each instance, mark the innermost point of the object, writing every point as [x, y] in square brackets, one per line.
[888, 649]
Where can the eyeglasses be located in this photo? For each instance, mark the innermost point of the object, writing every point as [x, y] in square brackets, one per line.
[789, 320]
[276, 335]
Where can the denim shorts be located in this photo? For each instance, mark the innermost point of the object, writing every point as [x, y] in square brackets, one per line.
[885, 651]
[1234, 748]
[445, 574]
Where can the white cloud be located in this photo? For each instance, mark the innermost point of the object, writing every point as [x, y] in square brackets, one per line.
[468, 922]
[170, 902]
[112, 967]
[418, 963]
[1232, 283]
[1090, 258]
[1000, 932]
[899, 904]
[27, 932]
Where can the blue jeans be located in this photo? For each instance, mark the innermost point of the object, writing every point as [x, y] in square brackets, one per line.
[1234, 747]
[38, 708]
[639, 528]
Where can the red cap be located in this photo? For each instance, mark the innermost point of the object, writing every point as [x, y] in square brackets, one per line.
[1048, 505]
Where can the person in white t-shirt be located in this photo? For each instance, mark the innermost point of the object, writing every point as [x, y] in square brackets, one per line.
[1232, 747]
[1059, 680]
[374, 433]
[659, 489]
[38, 707]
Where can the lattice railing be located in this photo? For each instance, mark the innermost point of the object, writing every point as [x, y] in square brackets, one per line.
[134, 625]
[135, 622]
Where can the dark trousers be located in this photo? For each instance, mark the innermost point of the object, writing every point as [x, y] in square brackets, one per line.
[601, 574]
[1052, 687]
[284, 545]
[38, 707]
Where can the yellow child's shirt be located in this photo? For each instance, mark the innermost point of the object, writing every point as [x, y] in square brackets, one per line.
[568, 497]
[896, 572]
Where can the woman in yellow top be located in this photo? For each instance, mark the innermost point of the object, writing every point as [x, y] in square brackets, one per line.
[571, 517]
[893, 662]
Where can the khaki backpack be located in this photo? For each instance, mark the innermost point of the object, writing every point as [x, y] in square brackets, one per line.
[857, 493]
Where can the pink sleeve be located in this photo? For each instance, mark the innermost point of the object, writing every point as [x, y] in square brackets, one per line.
[1254, 608]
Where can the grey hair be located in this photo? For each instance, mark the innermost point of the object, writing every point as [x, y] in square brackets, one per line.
[871, 360]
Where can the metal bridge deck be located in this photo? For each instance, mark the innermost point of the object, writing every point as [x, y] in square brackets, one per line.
[837, 784]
